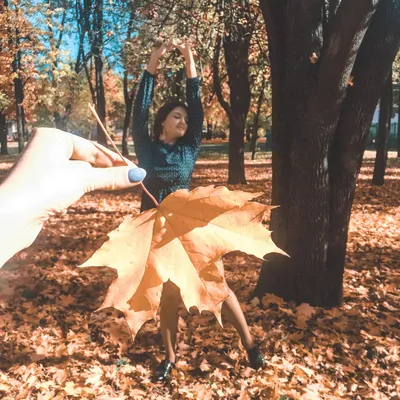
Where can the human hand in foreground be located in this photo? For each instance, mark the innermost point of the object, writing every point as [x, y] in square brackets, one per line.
[54, 171]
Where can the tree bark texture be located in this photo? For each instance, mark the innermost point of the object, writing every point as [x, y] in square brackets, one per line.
[19, 98]
[3, 134]
[321, 117]
[235, 41]
[97, 50]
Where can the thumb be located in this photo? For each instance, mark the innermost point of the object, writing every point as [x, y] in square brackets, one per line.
[114, 178]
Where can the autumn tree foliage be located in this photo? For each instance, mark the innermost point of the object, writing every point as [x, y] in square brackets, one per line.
[91, 28]
[230, 43]
[329, 61]
[234, 37]
[19, 46]
[57, 81]
[5, 84]
[91, 40]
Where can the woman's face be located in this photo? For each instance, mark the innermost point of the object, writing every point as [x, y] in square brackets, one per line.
[175, 125]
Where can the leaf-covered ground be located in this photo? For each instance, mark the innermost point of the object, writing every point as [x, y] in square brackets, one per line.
[53, 347]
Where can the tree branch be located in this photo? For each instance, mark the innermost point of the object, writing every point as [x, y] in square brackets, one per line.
[217, 80]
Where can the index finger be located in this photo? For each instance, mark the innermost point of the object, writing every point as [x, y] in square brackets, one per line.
[96, 154]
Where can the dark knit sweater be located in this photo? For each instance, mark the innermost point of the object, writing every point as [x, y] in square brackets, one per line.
[169, 166]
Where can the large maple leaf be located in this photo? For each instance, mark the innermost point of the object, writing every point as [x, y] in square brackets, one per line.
[181, 241]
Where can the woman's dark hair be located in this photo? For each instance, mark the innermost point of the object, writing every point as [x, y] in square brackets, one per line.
[162, 114]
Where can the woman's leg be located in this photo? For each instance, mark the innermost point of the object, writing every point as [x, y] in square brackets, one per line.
[169, 318]
[233, 313]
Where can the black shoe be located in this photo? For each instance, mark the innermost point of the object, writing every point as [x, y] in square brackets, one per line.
[163, 371]
[256, 358]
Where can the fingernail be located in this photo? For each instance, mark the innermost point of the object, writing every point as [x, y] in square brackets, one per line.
[136, 174]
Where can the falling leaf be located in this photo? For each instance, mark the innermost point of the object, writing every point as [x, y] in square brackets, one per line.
[181, 241]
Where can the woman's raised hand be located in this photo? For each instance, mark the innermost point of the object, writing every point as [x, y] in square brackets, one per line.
[185, 47]
[159, 49]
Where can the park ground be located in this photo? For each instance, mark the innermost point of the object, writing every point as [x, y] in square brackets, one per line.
[53, 347]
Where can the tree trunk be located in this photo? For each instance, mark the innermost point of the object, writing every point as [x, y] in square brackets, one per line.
[385, 114]
[254, 136]
[3, 134]
[398, 125]
[253, 142]
[209, 130]
[19, 98]
[127, 120]
[236, 50]
[3, 122]
[97, 50]
[61, 121]
[128, 95]
[235, 39]
[236, 173]
[320, 125]
[58, 121]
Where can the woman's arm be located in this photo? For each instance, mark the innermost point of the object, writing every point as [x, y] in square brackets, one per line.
[141, 109]
[185, 48]
[142, 105]
[159, 50]
[193, 97]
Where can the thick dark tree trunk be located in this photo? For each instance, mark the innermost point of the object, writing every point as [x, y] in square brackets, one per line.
[320, 125]
[236, 49]
[235, 39]
[348, 147]
[385, 114]
[3, 134]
